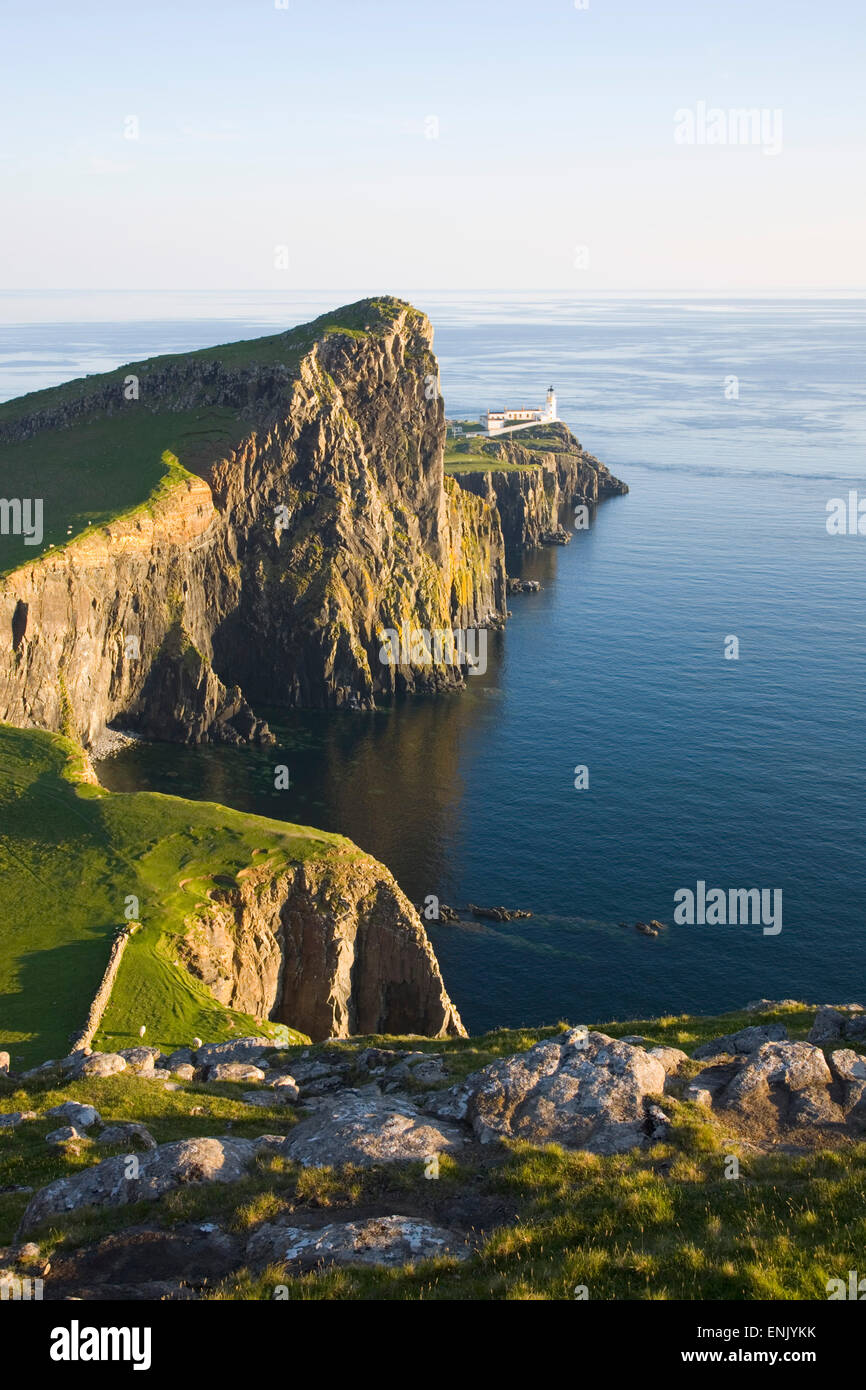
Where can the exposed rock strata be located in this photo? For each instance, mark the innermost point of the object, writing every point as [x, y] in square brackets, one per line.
[229, 601]
[331, 947]
[531, 497]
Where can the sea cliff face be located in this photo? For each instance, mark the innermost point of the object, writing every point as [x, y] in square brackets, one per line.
[538, 484]
[331, 947]
[271, 574]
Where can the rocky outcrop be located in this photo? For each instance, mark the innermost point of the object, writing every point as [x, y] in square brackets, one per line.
[331, 947]
[539, 484]
[161, 1170]
[365, 1127]
[271, 573]
[380, 1240]
[582, 1090]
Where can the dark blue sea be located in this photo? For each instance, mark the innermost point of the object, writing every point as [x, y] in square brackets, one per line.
[739, 773]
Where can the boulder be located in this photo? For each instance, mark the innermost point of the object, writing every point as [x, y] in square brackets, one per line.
[184, 1070]
[140, 1060]
[5, 1063]
[582, 1090]
[746, 1040]
[165, 1168]
[777, 1072]
[98, 1064]
[827, 1027]
[128, 1132]
[77, 1113]
[235, 1071]
[391, 1241]
[238, 1050]
[847, 1065]
[181, 1057]
[280, 1095]
[65, 1135]
[365, 1127]
[671, 1058]
[13, 1118]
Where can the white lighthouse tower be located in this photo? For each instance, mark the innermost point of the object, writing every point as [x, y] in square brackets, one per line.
[550, 405]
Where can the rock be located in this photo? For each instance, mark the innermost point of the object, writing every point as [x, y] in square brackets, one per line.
[280, 1095]
[312, 1069]
[4, 1063]
[238, 1050]
[633, 1040]
[165, 1168]
[393, 1241]
[659, 1123]
[181, 1057]
[101, 1064]
[847, 1065]
[426, 1068]
[80, 1115]
[699, 1095]
[283, 1081]
[372, 1059]
[581, 1090]
[141, 1060]
[13, 1118]
[645, 929]
[671, 1058]
[777, 1072]
[814, 1108]
[363, 1128]
[127, 1132]
[827, 1027]
[747, 1040]
[498, 914]
[235, 1071]
[65, 1135]
[185, 1071]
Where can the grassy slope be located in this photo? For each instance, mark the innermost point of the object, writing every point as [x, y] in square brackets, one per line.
[70, 853]
[106, 467]
[656, 1224]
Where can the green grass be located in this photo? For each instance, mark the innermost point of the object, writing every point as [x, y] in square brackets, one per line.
[661, 1223]
[70, 853]
[105, 467]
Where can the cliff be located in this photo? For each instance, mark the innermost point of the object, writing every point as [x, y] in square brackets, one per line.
[243, 923]
[301, 510]
[542, 472]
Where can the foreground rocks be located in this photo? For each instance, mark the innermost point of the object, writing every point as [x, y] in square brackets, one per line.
[381, 1240]
[108, 1184]
[365, 1127]
[585, 1091]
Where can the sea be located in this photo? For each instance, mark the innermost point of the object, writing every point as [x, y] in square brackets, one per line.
[736, 764]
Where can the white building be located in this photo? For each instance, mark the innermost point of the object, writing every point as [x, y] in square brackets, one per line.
[499, 420]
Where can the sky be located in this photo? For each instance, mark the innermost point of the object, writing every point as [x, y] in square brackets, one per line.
[489, 144]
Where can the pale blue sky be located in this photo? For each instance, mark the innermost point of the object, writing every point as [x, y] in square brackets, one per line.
[306, 127]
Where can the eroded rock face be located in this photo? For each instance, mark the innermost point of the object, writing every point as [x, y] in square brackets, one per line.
[365, 1127]
[229, 602]
[381, 1240]
[530, 501]
[331, 947]
[583, 1090]
[162, 1170]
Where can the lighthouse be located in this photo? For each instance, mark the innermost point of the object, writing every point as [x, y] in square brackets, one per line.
[550, 404]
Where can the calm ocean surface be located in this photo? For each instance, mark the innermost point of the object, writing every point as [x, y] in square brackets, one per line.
[748, 773]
